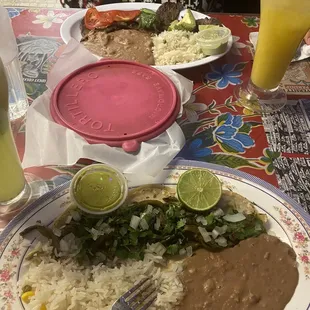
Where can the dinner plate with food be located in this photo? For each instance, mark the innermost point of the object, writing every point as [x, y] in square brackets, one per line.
[207, 237]
[163, 35]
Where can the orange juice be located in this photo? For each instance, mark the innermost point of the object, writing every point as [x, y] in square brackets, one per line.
[282, 27]
[12, 180]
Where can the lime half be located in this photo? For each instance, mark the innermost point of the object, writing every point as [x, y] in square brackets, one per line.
[199, 189]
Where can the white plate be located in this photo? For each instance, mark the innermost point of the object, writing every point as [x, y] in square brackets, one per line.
[71, 29]
[286, 219]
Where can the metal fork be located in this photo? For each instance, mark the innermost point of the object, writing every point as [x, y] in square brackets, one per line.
[139, 297]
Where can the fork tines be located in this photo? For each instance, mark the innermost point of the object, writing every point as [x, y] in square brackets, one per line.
[141, 296]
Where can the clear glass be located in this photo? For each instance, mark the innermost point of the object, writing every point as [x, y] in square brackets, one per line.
[15, 192]
[283, 24]
[18, 102]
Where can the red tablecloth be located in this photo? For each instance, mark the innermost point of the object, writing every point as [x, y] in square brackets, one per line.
[216, 128]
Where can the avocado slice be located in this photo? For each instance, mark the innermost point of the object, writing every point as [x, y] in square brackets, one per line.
[173, 25]
[187, 23]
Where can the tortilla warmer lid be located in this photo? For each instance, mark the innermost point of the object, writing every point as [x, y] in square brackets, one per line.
[115, 102]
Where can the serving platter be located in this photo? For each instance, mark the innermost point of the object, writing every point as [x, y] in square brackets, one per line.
[286, 219]
[71, 29]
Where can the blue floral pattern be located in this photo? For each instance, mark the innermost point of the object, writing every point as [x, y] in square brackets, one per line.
[226, 75]
[193, 150]
[229, 132]
[13, 12]
[230, 136]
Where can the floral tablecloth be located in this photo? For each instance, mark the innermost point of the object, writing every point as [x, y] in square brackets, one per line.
[217, 129]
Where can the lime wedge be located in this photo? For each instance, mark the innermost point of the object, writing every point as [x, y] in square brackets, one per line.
[199, 189]
[204, 27]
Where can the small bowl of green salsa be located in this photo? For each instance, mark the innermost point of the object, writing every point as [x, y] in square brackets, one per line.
[99, 189]
[213, 40]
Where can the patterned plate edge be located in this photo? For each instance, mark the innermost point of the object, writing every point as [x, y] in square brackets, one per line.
[30, 208]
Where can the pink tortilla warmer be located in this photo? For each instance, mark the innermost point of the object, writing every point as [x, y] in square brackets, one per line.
[115, 102]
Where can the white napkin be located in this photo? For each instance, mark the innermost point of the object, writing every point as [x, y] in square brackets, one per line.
[48, 143]
[303, 51]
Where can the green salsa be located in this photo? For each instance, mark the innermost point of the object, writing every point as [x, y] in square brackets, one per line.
[99, 190]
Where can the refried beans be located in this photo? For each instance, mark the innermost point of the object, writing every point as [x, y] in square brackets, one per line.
[258, 273]
[125, 44]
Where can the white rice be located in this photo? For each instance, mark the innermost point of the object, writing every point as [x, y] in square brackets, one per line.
[176, 47]
[68, 286]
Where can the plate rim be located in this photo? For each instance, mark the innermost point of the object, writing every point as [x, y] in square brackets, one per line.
[176, 164]
[72, 19]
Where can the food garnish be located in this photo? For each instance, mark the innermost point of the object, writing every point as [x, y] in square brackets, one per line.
[187, 23]
[148, 226]
[204, 27]
[94, 19]
[199, 189]
[148, 20]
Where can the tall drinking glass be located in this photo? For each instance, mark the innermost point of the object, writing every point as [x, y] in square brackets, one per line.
[283, 24]
[15, 192]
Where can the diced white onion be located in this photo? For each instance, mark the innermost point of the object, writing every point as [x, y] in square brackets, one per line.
[189, 251]
[224, 229]
[105, 228]
[220, 230]
[182, 252]
[218, 212]
[215, 233]
[99, 223]
[143, 224]
[205, 235]
[149, 209]
[57, 232]
[68, 219]
[204, 221]
[155, 211]
[221, 241]
[201, 219]
[76, 215]
[95, 233]
[157, 248]
[234, 218]
[134, 222]
[149, 257]
[157, 223]
[69, 242]
[258, 227]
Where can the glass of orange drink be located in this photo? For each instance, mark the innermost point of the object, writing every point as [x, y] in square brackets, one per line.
[283, 24]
